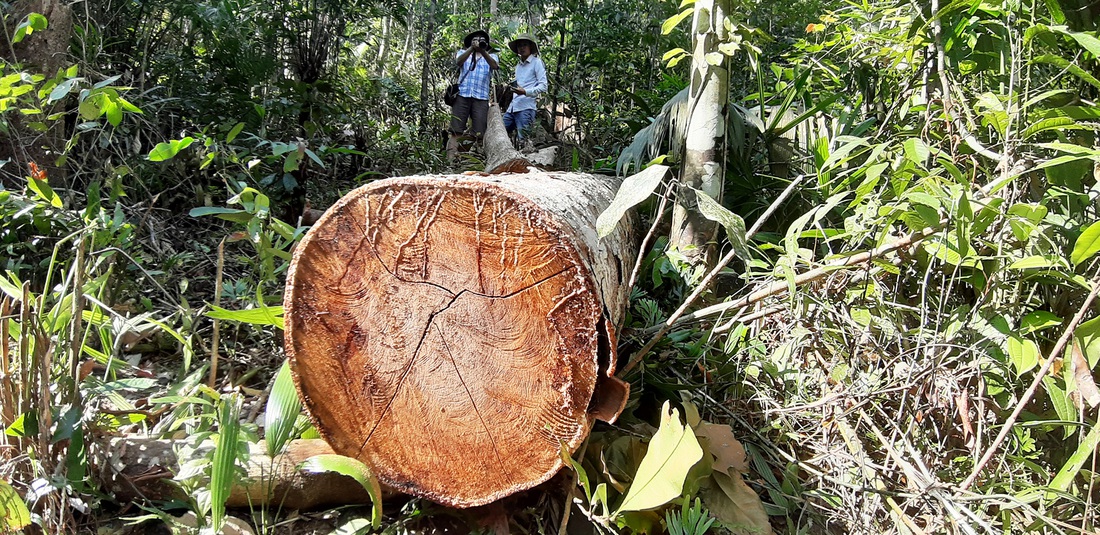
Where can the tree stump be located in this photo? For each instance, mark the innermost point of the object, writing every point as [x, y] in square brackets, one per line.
[451, 331]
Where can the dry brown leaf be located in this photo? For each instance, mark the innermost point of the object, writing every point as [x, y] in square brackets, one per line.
[736, 505]
[727, 450]
[1086, 386]
[962, 405]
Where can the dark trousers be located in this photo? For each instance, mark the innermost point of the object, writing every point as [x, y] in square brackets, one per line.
[472, 109]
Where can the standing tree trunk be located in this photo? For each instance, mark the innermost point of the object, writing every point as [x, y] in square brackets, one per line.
[456, 332]
[693, 234]
[425, 73]
[43, 53]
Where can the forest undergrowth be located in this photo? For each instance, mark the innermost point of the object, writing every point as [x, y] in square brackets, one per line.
[898, 332]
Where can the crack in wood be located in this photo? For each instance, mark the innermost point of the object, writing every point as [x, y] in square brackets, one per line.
[473, 403]
[424, 336]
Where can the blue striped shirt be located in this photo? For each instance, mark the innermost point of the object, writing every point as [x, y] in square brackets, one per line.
[474, 83]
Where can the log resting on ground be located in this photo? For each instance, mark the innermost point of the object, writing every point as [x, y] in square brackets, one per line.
[456, 332]
[139, 468]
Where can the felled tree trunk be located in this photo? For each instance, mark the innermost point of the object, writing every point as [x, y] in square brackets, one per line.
[456, 332]
[133, 468]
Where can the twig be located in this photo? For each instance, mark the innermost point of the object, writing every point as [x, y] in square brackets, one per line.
[779, 287]
[1057, 351]
[571, 488]
[649, 235]
[705, 283]
[217, 324]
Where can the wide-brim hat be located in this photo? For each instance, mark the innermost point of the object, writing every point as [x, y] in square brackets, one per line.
[470, 37]
[514, 45]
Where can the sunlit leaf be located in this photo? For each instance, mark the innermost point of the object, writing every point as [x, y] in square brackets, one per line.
[223, 466]
[283, 408]
[734, 503]
[1023, 352]
[660, 478]
[234, 132]
[263, 315]
[1085, 450]
[635, 189]
[354, 469]
[674, 20]
[1088, 244]
[14, 515]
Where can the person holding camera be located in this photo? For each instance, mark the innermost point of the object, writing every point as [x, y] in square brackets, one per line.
[530, 82]
[476, 62]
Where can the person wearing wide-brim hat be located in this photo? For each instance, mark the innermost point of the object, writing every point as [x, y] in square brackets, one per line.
[530, 82]
[476, 61]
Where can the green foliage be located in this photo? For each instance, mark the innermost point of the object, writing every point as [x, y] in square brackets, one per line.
[283, 409]
[14, 515]
[354, 469]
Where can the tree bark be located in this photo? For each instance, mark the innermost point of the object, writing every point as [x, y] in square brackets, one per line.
[455, 332]
[693, 234]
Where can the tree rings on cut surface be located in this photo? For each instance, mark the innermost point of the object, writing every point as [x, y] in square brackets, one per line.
[450, 331]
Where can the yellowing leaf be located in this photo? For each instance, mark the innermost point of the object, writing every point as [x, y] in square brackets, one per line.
[674, 20]
[14, 515]
[672, 452]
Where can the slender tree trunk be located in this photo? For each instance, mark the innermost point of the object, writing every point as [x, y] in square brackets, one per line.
[693, 234]
[42, 52]
[425, 72]
[384, 47]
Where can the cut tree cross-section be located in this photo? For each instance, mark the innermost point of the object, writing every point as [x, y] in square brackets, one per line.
[454, 332]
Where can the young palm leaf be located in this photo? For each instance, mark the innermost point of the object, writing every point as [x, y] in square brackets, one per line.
[283, 408]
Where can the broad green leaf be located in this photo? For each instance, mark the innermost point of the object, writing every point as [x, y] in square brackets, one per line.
[14, 515]
[1023, 352]
[1085, 449]
[1060, 399]
[1037, 321]
[34, 22]
[1063, 63]
[354, 469]
[44, 191]
[673, 53]
[660, 478]
[734, 225]
[1088, 244]
[1053, 123]
[916, 151]
[672, 21]
[234, 132]
[634, 189]
[291, 161]
[283, 408]
[1035, 261]
[61, 90]
[168, 149]
[355, 526]
[263, 315]
[223, 466]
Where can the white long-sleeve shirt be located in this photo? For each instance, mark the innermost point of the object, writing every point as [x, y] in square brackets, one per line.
[531, 76]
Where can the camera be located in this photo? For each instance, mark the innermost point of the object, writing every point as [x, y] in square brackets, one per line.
[483, 44]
